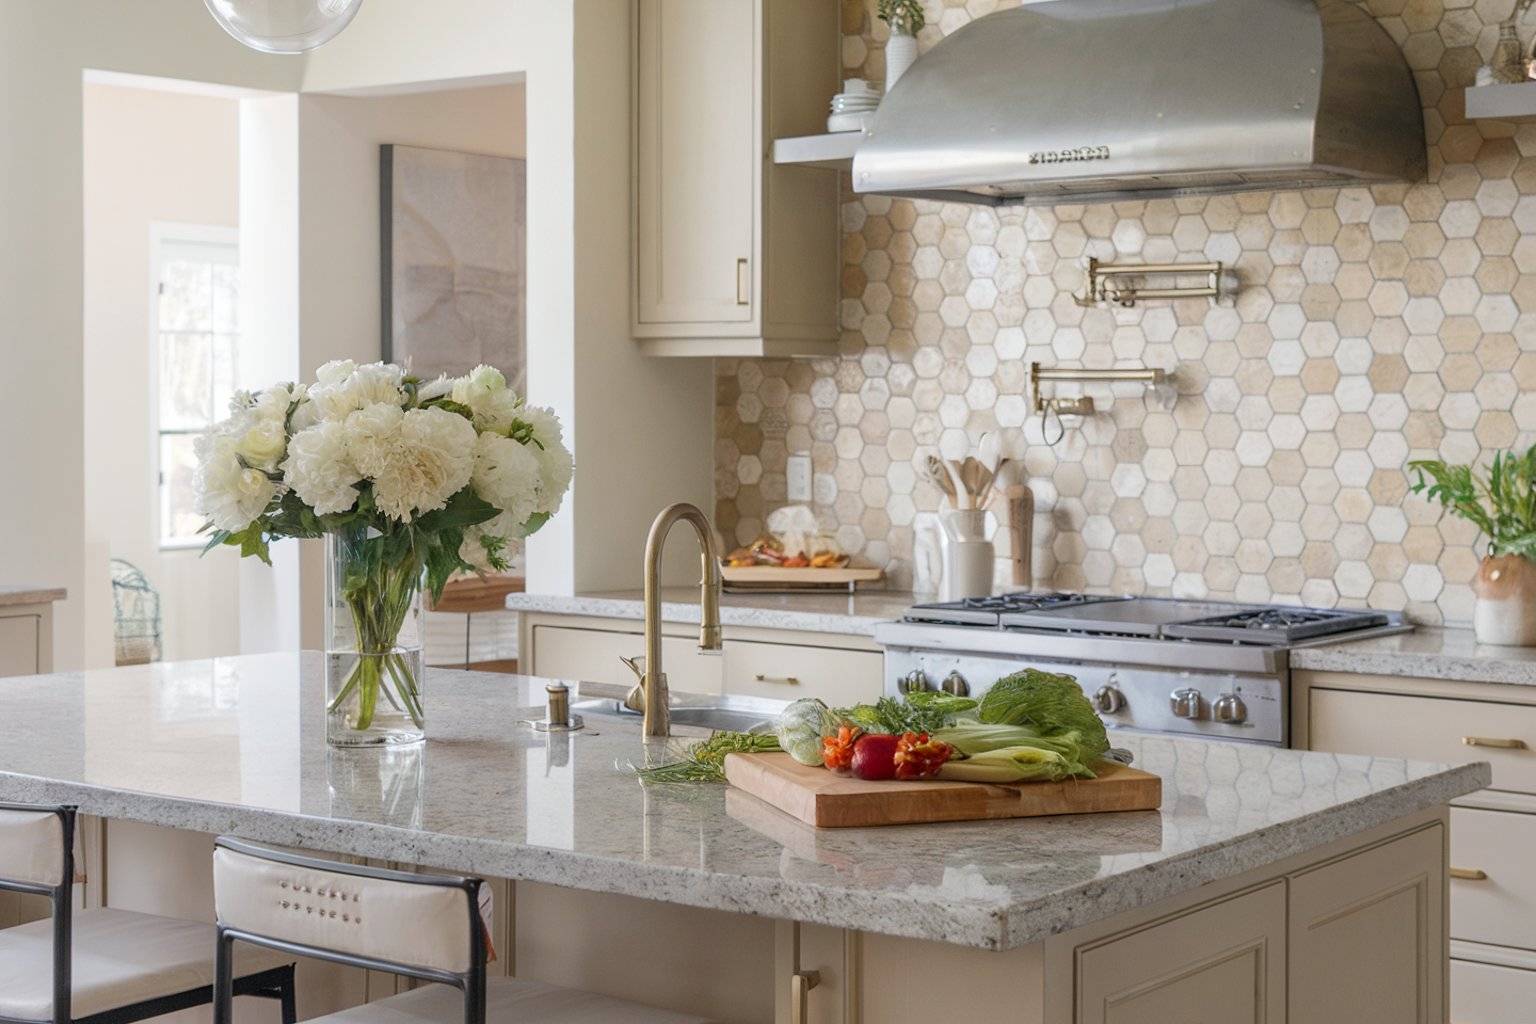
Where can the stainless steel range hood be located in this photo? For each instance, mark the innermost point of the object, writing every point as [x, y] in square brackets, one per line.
[1088, 100]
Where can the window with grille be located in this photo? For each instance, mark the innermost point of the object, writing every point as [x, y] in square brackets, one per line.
[195, 324]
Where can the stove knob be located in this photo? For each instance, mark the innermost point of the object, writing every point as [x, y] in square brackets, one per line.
[1229, 708]
[1186, 703]
[1108, 699]
[915, 681]
[955, 683]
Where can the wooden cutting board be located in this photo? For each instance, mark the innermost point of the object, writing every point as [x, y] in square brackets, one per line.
[769, 574]
[828, 800]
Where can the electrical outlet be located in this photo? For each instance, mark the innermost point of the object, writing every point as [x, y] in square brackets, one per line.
[797, 478]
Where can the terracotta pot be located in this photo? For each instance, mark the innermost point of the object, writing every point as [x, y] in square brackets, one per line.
[1506, 601]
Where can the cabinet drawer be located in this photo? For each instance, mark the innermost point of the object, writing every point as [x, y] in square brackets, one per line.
[1225, 962]
[592, 655]
[1428, 729]
[785, 672]
[1501, 908]
[1485, 994]
[18, 645]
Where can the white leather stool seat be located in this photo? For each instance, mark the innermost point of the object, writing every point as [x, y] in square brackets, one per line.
[508, 1001]
[120, 958]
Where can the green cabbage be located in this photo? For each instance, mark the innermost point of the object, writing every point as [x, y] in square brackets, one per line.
[1049, 702]
[800, 728]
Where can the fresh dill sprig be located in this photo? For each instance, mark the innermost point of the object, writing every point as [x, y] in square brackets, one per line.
[704, 761]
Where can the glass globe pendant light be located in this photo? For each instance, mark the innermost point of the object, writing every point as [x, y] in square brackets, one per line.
[283, 26]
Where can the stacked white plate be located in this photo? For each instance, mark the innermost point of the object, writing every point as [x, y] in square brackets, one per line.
[854, 107]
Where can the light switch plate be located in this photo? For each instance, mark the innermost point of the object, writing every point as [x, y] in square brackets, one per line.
[797, 478]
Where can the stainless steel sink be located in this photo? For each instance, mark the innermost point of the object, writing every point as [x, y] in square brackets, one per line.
[735, 715]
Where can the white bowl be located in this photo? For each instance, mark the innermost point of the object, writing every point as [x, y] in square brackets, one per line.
[850, 122]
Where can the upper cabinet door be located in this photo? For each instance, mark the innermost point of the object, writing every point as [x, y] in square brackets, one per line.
[697, 152]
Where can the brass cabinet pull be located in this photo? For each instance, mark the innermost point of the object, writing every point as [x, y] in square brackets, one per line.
[800, 985]
[1469, 874]
[1489, 741]
[743, 286]
[787, 680]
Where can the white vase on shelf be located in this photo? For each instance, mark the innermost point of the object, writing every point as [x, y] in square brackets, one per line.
[900, 52]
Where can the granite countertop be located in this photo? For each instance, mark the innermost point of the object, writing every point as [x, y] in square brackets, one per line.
[13, 595]
[238, 745]
[1426, 653]
[857, 613]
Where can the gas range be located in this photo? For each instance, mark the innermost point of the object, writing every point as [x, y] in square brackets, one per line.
[1202, 668]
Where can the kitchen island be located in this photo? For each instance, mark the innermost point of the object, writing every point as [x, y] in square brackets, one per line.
[1268, 876]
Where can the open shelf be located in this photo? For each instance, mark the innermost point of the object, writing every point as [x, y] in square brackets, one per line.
[834, 150]
[1513, 101]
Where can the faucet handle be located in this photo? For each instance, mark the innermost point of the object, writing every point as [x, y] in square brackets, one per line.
[636, 665]
[635, 699]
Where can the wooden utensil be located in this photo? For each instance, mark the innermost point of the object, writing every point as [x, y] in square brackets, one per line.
[940, 476]
[822, 798]
[1021, 528]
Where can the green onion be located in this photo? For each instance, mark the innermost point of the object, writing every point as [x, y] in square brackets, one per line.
[704, 761]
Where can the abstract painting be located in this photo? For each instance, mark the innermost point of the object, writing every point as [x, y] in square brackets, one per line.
[453, 269]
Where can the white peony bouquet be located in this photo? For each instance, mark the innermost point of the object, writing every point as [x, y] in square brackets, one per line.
[406, 475]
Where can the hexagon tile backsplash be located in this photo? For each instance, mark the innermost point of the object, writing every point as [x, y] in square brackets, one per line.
[1372, 326]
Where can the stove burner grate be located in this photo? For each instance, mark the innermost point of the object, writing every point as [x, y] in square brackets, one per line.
[1275, 625]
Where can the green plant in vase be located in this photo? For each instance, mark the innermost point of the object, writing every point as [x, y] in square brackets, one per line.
[409, 482]
[1502, 505]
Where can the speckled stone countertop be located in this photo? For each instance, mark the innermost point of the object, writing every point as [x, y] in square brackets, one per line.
[13, 595]
[237, 745]
[814, 613]
[1451, 654]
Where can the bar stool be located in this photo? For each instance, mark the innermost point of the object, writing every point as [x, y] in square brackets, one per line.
[426, 927]
[104, 966]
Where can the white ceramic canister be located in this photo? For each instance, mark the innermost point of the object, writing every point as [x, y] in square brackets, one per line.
[967, 555]
[1505, 613]
[900, 52]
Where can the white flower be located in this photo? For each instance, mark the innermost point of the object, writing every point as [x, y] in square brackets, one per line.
[230, 495]
[555, 464]
[336, 397]
[262, 442]
[491, 546]
[417, 459]
[438, 388]
[507, 475]
[319, 470]
[484, 391]
[273, 403]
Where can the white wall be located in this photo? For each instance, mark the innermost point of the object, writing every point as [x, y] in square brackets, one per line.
[150, 157]
[45, 45]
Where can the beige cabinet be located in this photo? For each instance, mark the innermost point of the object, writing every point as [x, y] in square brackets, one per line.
[1491, 994]
[1491, 892]
[1367, 936]
[733, 254]
[26, 631]
[1219, 965]
[779, 664]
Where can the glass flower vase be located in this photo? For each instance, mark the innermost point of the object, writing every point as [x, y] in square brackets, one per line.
[373, 665]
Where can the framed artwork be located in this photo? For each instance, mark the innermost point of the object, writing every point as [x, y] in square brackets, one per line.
[454, 278]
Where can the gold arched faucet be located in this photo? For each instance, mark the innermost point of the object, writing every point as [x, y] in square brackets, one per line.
[650, 695]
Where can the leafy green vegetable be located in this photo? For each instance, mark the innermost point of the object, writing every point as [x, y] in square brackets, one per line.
[1016, 764]
[898, 716]
[939, 700]
[978, 740]
[704, 761]
[800, 728]
[1050, 702]
[1503, 506]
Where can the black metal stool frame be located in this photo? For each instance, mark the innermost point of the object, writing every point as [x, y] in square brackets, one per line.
[276, 984]
[471, 982]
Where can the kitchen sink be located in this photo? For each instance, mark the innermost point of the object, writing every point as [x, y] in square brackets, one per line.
[735, 715]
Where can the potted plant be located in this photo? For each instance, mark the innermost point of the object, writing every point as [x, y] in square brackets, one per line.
[408, 481]
[1503, 506]
[906, 19]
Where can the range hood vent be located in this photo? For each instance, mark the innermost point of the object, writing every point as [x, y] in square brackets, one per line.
[1094, 100]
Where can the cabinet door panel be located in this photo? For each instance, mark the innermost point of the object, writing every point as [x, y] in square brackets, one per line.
[1487, 994]
[1428, 729]
[1223, 964]
[697, 154]
[1500, 908]
[18, 645]
[1367, 936]
[591, 655]
[787, 672]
